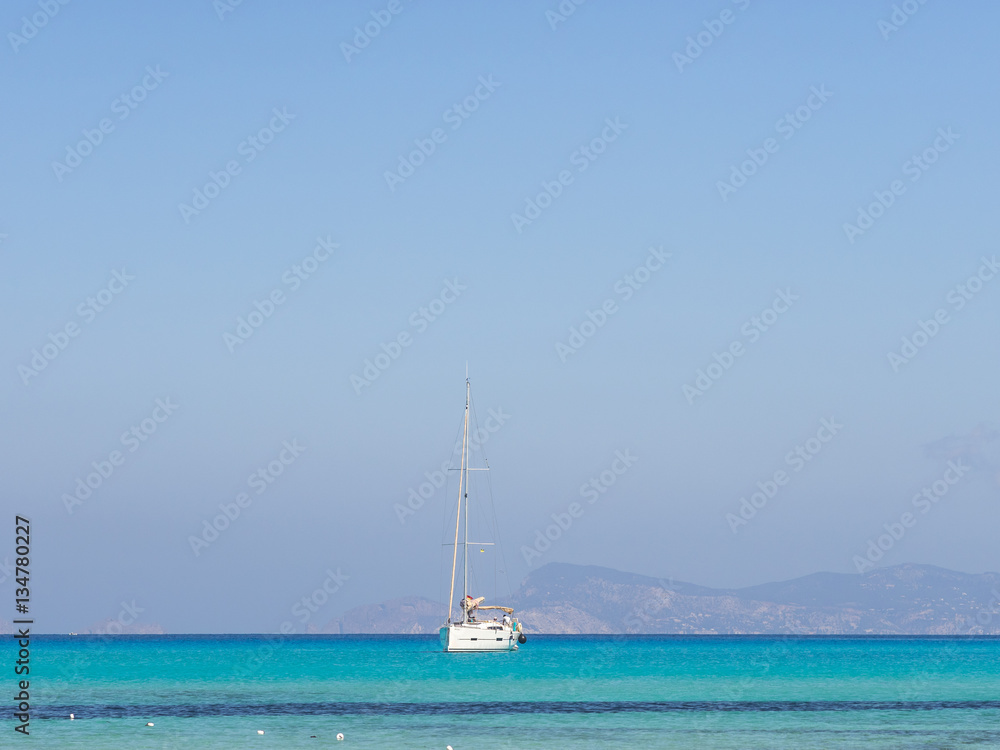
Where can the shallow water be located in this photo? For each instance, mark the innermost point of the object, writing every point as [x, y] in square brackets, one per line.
[556, 691]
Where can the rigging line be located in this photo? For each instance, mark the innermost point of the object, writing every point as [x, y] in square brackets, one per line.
[473, 493]
[455, 445]
[445, 516]
[496, 524]
[447, 509]
[486, 519]
[458, 515]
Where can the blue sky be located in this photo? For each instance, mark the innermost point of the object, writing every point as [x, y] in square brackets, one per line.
[864, 100]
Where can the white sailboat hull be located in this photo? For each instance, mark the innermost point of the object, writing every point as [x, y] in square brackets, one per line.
[478, 636]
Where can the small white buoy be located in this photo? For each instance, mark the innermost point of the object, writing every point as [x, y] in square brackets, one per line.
[260, 731]
[71, 717]
[449, 748]
[149, 723]
[340, 735]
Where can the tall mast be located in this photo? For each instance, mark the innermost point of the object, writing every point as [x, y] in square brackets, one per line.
[465, 461]
[458, 514]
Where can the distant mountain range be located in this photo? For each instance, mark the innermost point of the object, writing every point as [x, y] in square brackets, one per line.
[559, 598]
[106, 627]
[115, 627]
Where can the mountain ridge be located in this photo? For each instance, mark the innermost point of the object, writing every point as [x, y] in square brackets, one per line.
[562, 598]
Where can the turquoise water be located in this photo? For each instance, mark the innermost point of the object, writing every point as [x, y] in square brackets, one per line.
[556, 691]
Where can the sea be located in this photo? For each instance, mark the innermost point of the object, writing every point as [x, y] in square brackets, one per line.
[577, 692]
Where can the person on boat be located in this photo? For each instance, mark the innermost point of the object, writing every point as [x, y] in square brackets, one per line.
[506, 619]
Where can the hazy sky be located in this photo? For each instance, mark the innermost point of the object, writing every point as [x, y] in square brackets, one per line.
[214, 217]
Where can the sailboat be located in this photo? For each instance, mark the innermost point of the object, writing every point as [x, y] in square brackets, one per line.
[474, 630]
